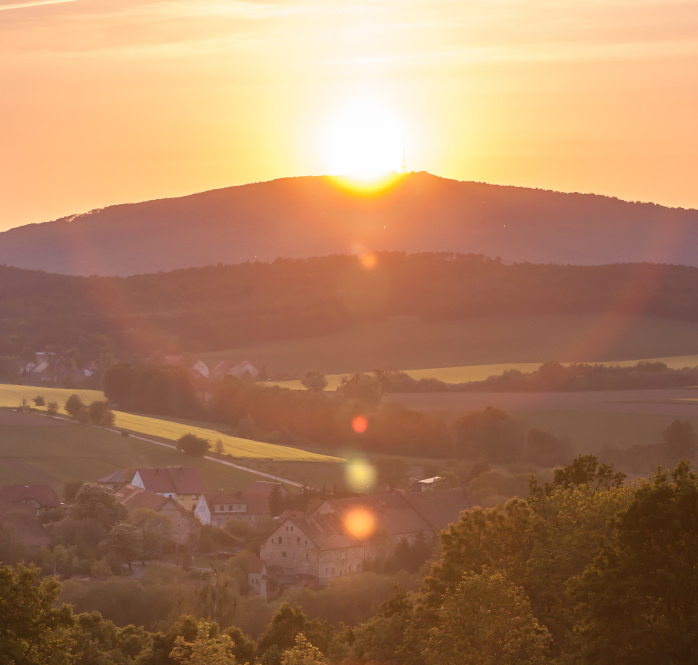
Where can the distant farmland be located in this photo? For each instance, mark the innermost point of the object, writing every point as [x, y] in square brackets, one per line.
[35, 449]
[11, 396]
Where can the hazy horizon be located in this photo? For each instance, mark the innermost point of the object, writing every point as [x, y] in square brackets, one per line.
[137, 100]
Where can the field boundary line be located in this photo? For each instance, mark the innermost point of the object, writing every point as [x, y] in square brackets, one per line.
[242, 467]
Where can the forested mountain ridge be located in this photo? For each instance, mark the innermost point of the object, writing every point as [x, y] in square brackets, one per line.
[314, 216]
[228, 306]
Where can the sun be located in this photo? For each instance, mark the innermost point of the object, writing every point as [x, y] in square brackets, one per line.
[365, 141]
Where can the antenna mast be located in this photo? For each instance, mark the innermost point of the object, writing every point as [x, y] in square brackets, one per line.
[404, 161]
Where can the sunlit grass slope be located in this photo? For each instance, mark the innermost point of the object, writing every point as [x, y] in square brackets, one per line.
[482, 372]
[55, 453]
[11, 396]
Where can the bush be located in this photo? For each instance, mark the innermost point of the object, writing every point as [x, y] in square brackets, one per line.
[52, 409]
[100, 414]
[190, 444]
[74, 406]
[39, 401]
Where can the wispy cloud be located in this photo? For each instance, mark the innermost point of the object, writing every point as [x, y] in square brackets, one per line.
[33, 3]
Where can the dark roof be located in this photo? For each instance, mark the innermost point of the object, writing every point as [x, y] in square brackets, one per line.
[27, 527]
[43, 494]
[394, 515]
[118, 476]
[264, 488]
[174, 479]
[441, 507]
[327, 532]
[255, 503]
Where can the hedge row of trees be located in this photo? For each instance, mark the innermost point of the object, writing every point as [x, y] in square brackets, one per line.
[588, 570]
[226, 306]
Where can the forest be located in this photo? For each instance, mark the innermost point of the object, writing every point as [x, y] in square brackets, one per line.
[589, 569]
[226, 306]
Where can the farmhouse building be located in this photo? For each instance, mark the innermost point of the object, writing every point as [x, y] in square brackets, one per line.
[115, 479]
[230, 368]
[400, 516]
[319, 546]
[25, 524]
[185, 528]
[182, 484]
[34, 498]
[217, 509]
[257, 577]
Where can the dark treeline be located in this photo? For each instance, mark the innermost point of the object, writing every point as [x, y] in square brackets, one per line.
[553, 377]
[589, 570]
[226, 306]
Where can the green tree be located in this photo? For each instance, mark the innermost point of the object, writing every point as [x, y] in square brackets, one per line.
[74, 406]
[545, 449]
[52, 409]
[681, 439]
[491, 435]
[392, 471]
[314, 381]
[303, 653]
[96, 502]
[190, 444]
[101, 414]
[125, 543]
[71, 489]
[276, 500]
[584, 470]
[155, 528]
[639, 598]
[208, 648]
[448, 480]
[486, 620]
[362, 387]
[39, 401]
[32, 630]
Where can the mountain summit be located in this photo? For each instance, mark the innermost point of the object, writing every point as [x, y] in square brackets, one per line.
[315, 216]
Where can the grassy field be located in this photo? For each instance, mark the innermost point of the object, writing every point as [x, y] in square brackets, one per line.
[66, 451]
[410, 343]
[11, 396]
[481, 372]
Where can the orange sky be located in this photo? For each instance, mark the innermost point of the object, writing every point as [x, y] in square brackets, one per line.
[107, 101]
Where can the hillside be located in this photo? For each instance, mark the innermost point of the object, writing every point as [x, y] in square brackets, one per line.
[405, 312]
[313, 216]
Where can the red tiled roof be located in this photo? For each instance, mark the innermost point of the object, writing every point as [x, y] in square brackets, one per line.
[133, 498]
[43, 494]
[175, 480]
[255, 565]
[327, 532]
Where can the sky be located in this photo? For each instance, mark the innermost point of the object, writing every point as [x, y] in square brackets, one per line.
[113, 101]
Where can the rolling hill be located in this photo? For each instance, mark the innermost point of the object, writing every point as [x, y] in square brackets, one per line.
[314, 216]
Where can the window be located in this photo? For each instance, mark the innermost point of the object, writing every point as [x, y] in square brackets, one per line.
[333, 570]
[230, 509]
[287, 528]
[358, 567]
[291, 528]
[294, 555]
[307, 556]
[327, 571]
[306, 541]
[298, 541]
[283, 555]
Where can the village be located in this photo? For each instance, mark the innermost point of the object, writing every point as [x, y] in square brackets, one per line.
[340, 537]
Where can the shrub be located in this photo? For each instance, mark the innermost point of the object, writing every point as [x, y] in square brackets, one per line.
[39, 401]
[52, 409]
[190, 444]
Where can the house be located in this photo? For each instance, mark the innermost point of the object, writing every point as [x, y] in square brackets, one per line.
[230, 368]
[24, 523]
[115, 479]
[265, 488]
[313, 546]
[423, 484]
[257, 577]
[35, 498]
[185, 527]
[217, 509]
[398, 516]
[182, 484]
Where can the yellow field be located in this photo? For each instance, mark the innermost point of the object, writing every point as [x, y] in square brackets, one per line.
[11, 396]
[482, 372]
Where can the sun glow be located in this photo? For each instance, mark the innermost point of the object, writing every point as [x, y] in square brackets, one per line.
[364, 141]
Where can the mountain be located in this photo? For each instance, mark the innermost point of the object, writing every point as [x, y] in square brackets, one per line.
[316, 216]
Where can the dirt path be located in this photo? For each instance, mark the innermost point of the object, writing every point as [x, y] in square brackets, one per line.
[242, 467]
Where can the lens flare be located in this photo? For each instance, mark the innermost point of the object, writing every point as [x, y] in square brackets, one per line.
[369, 260]
[360, 475]
[359, 424]
[360, 523]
